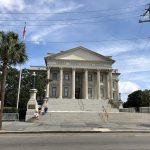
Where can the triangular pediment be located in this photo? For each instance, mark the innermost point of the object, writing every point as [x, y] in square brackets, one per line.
[81, 54]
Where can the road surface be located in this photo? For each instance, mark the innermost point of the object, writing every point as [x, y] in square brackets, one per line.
[75, 141]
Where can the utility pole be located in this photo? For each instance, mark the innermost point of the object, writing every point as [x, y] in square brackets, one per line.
[146, 16]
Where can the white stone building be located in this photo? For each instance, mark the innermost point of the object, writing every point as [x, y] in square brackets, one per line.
[80, 76]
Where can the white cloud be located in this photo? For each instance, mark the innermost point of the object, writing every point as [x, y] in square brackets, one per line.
[135, 63]
[11, 5]
[45, 6]
[45, 33]
[114, 48]
[139, 62]
[128, 87]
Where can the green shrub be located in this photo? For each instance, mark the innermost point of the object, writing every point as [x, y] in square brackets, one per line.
[10, 110]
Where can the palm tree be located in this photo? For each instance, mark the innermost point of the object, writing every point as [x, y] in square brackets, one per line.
[12, 52]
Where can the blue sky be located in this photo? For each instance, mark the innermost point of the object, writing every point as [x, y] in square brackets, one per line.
[106, 21]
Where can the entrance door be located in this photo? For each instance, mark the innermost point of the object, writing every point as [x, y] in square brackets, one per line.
[77, 93]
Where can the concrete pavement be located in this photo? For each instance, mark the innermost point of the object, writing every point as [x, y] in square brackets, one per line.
[36, 127]
[82, 122]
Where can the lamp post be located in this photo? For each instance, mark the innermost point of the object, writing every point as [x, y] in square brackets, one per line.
[34, 75]
[0, 86]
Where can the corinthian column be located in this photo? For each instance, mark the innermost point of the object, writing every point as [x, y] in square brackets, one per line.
[86, 83]
[73, 83]
[98, 85]
[107, 85]
[48, 83]
[110, 83]
[61, 83]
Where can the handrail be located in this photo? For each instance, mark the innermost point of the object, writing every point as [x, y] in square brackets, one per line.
[81, 105]
[105, 112]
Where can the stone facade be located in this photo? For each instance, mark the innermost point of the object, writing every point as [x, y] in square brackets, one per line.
[80, 73]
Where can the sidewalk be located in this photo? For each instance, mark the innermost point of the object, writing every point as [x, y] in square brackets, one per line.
[26, 127]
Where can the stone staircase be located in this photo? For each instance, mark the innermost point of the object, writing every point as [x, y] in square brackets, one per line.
[91, 118]
[70, 117]
[76, 111]
[78, 105]
[87, 112]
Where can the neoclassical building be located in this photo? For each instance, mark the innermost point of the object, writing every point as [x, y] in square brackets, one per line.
[82, 74]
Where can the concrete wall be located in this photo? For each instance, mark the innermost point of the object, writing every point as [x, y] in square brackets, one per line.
[131, 109]
[144, 109]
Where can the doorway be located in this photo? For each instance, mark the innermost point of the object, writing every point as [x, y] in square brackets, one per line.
[77, 93]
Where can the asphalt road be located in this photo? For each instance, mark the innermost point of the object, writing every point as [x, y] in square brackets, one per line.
[75, 141]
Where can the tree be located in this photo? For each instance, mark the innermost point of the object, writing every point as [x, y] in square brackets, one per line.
[138, 99]
[26, 84]
[11, 88]
[145, 98]
[12, 52]
[134, 99]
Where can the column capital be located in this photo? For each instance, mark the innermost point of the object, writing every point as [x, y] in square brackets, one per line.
[99, 70]
[73, 68]
[85, 69]
[48, 67]
[61, 68]
[109, 70]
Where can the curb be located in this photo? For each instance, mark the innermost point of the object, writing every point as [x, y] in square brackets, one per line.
[88, 131]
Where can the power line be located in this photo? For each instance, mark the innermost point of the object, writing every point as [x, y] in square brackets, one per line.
[71, 23]
[98, 41]
[70, 19]
[88, 11]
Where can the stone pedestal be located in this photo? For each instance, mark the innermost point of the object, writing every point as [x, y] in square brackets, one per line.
[32, 105]
[45, 102]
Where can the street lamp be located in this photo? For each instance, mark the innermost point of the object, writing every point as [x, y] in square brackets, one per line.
[0, 86]
[34, 75]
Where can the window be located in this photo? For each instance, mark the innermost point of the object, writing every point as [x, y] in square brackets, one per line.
[54, 91]
[66, 76]
[113, 84]
[102, 78]
[113, 95]
[77, 78]
[102, 92]
[66, 91]
[54, 76]
[90, 92]
[89, 77]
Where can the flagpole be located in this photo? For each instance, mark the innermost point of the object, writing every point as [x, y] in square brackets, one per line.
[18, 96]
[19, 85]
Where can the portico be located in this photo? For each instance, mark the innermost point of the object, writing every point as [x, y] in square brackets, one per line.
[80, 73]
[87, 81]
